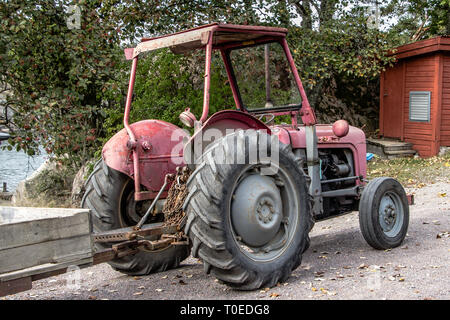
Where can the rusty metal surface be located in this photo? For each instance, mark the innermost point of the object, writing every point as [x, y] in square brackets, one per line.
[355, 141]
[125, 234]
[410, 198]
[197, 37]
[306, 112]
[173, 207]
[222, 121]
[15, 286]
[130, 247]
[168, 179]
[157, 149]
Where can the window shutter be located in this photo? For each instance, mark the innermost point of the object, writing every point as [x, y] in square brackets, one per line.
[419, 106]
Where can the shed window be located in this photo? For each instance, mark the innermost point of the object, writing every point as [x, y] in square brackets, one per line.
[419, 106]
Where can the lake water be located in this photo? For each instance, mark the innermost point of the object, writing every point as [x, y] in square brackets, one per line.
[17, 166]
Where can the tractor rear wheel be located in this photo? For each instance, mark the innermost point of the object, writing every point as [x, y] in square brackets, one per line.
[110, 197]
[248, 222]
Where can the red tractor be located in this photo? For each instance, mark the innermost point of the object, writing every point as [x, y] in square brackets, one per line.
[244, 190]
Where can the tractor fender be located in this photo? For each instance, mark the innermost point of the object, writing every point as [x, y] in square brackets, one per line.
[217, 126]
[159, 146]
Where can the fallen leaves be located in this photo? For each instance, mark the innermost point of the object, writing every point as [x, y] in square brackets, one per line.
[319, 273]
[443, 235]
[306, 267]
[397, 268]
[363, 266]
[397, 277]
[442, 194]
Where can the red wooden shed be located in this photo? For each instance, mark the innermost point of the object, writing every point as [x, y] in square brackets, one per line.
[415, 96]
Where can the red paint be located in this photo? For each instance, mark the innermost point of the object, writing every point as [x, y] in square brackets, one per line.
[207, 78]
[129, 53]
[307, 113]
[219, 123]
[421, 66]
[392, 86]
[228, 28]
[131, 143]
[231, 79]
[340, 128]
[355, 141]
[164, 153]
[146, 150]
[188, 118]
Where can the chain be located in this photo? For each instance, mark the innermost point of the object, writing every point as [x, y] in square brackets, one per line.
[173, 207]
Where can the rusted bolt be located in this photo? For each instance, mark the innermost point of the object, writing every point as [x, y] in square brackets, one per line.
[131, 144]
[146, 146]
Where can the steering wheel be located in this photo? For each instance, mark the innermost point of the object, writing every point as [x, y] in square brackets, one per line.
[271, 115]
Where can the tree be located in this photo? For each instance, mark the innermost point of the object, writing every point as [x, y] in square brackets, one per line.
[57, 73]
[68, 84]
[418, 19]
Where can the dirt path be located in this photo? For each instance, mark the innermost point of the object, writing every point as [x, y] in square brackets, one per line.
[338, 265]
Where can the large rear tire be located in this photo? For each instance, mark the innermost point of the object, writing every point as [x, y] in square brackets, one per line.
[108, 195]
[265, 244]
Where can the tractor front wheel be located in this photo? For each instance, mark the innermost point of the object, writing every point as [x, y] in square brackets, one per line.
[110, 197]
[384, 213]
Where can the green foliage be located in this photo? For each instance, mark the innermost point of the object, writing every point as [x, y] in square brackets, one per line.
[166, 84]
[417, 19]
[56, 75]
[68, 86]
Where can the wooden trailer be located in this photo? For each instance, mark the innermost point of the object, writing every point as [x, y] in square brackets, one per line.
[415, 96]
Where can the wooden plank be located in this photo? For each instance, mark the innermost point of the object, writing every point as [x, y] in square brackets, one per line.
[39, 272]
[15, 286]
[417, 137]
[55, 251]
[415, 79]
[25, 226]
[21, 280]
[420, 73]
[417, 128]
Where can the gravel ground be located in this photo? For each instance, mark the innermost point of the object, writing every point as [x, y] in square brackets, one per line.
[338, 265]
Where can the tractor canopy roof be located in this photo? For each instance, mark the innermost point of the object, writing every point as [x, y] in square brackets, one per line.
[222, 35]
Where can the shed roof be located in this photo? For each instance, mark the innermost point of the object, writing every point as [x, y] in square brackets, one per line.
[198, 37]
[421, 47]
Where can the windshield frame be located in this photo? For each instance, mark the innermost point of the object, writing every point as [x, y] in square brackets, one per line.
[281, 109]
